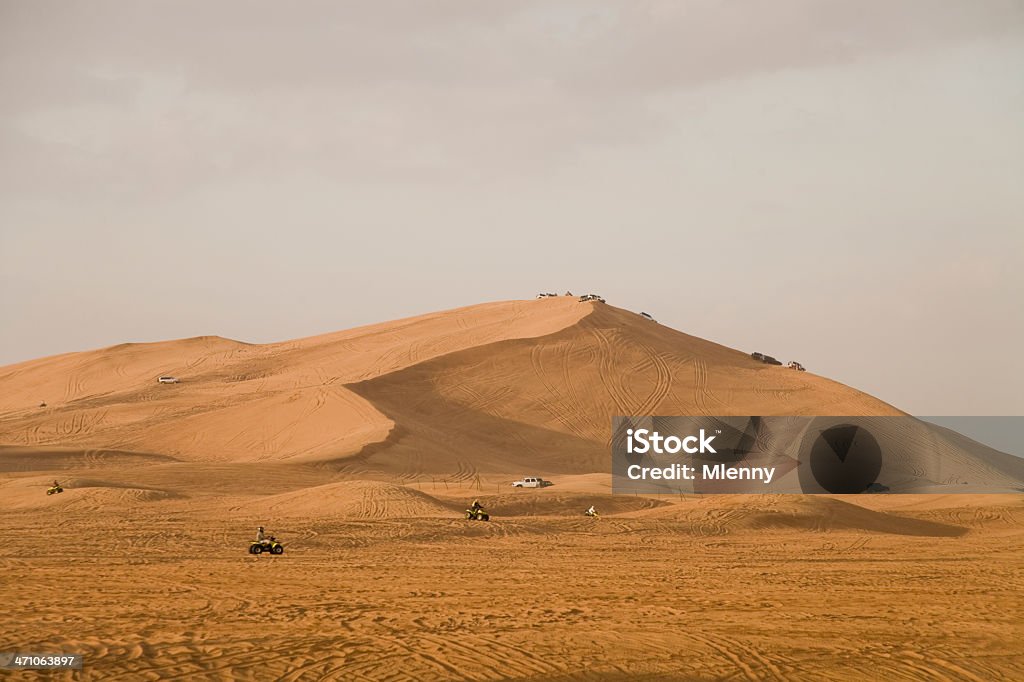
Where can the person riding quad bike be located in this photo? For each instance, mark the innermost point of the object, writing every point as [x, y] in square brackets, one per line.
[591, 512]
[262, 544]
[271, 545]
[54, 489]
[476, 512]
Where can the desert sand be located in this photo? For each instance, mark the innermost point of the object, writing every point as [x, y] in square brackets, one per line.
[360, 449]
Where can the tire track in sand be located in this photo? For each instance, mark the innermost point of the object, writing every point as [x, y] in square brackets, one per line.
[564, 417]
[612, 381]
[662, 381]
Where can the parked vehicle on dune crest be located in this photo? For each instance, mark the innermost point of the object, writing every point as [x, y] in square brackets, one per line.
[766, 359]
[167, 379]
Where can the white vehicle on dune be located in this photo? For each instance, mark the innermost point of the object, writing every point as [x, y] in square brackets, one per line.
[167, 379]
[531, 482]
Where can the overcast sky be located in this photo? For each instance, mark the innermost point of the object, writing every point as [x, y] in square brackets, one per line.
[837, 182]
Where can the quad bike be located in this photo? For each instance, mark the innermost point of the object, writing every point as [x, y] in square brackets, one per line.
[477, 515]
[592, 514]
[272, 546]
[54, 489]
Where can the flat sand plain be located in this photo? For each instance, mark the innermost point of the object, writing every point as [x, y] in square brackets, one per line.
[741, 587]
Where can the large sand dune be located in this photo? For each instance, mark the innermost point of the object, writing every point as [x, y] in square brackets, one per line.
[498, 388]
[493, 386]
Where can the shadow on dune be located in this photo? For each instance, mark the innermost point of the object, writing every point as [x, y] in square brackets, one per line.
[17, 459]
[725, 514]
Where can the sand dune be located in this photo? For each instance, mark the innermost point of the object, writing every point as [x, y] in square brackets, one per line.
[14, 459]
[239, 401]
[353, 500]
[80, 494]
[548, 402]
[512, 383]
[722, 514]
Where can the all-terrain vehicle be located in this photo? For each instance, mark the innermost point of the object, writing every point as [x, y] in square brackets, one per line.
[272, 546]
[54, 489]
[592, 513]
[477, 514]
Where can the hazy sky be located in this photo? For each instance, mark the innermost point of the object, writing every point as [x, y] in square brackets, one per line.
[840, 183]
